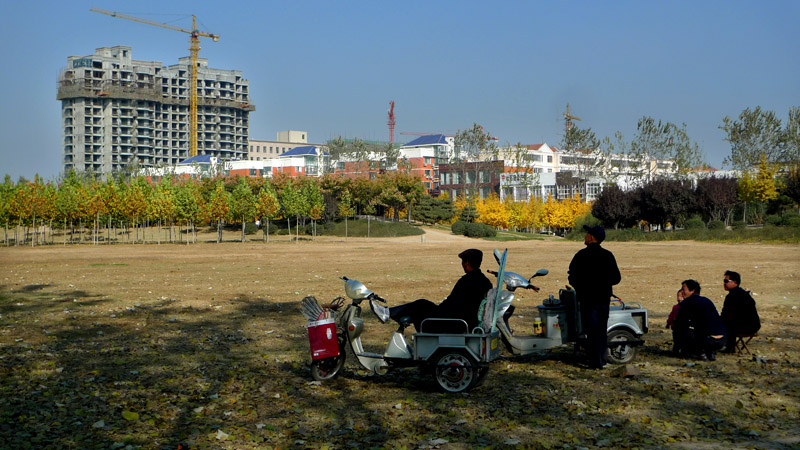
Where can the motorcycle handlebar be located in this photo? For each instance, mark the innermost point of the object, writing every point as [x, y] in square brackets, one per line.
[377, 297]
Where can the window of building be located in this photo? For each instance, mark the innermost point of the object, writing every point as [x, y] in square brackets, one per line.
[253, 172]
[427, 173]
[550, 158]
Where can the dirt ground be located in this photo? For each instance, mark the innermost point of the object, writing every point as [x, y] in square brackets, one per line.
[226, 318]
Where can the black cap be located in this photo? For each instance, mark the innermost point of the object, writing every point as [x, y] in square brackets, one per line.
[597, 231]
[473, 256]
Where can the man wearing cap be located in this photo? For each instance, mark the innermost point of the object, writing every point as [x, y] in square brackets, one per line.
[592, 272]
[462, 303]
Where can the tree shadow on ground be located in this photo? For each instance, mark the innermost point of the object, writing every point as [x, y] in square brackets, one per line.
[151, 374]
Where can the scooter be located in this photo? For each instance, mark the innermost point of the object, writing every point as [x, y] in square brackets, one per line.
[458, 361]
[559, 320]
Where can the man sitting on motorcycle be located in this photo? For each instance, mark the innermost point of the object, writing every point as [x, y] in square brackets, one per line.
[462, 303]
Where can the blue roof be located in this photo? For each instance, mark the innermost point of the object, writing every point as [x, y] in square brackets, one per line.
[200, 159]
[299, 151]
[428, 140]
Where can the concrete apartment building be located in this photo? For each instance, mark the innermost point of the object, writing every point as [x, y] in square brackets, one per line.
[286, 140]
[117, 111]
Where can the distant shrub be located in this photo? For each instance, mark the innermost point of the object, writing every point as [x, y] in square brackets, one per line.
[695, 224]
[791, 221]
[773, 219]
[716, 225]
[250, 228]
[625, 234]
[739, 225]
[479, 230]
[459, 227]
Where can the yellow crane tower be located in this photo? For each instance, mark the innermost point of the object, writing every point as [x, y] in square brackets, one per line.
[194, 49]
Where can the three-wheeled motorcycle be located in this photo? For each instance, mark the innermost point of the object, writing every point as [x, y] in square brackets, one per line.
[559, 321]
[458, 361]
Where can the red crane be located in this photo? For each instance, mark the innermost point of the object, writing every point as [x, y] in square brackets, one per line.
[391, 121]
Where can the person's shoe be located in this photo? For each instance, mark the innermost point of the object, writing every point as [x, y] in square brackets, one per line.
[712, 356]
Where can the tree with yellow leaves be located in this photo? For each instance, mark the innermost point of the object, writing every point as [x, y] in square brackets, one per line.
[515, 212]
[532, 213]
[759, 187]
[561, 215]
[492, 212]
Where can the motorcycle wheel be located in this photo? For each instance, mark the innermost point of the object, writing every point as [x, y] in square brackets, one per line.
[620, 354]
[328, 368]
[455, 372]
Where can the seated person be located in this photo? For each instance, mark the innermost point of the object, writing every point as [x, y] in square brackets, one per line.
[462, 303]
[674, 315]
[698, 330]
[739, 314]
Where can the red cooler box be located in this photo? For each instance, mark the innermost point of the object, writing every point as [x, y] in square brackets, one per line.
[322, 336]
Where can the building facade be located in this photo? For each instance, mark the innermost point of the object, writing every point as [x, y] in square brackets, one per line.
[117, 112]
[259, 150]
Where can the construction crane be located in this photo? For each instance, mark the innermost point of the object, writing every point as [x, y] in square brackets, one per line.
[568, 118]
[391, 121]
[194, 50]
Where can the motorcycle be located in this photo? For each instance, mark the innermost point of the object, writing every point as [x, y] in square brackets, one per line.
[458, 361]
[559, 320]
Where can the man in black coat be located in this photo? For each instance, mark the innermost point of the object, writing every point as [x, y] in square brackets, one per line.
[592, 272]
[698, 330]
[462, 303]
[739, 314]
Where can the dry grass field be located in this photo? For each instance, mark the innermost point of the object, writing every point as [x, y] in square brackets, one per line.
[152, 346]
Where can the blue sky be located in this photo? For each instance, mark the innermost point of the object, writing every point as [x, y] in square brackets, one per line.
[331, 68]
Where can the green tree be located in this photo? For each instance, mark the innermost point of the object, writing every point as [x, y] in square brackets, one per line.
[756, 132]
[161, 206]
[6, 191]
[791, 138]
[188, 206]
[346, 208]
[219, 206]
[292, 205]
[68, 203]
[243, 205]
[314, 203]
[267, 207]
[658, 142]
[472, 147]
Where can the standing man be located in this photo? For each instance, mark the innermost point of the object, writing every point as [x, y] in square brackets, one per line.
[462, 303]
[592, 272]
[698, 329]
[739, 314]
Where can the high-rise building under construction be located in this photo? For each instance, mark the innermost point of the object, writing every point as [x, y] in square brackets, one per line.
[119, 112]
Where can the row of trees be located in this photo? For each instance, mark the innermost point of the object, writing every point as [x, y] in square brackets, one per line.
[753, 134]
[662, 201]
[37, 208]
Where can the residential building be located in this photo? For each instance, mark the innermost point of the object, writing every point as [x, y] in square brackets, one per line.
[309, 160]
[117, 111]
[259, 150]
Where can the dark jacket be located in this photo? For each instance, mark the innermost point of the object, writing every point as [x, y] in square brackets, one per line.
[592, 272]
[465, 298]
[739, 312]
[700, 313]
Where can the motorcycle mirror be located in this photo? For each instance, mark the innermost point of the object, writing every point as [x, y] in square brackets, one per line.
[541, 272]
